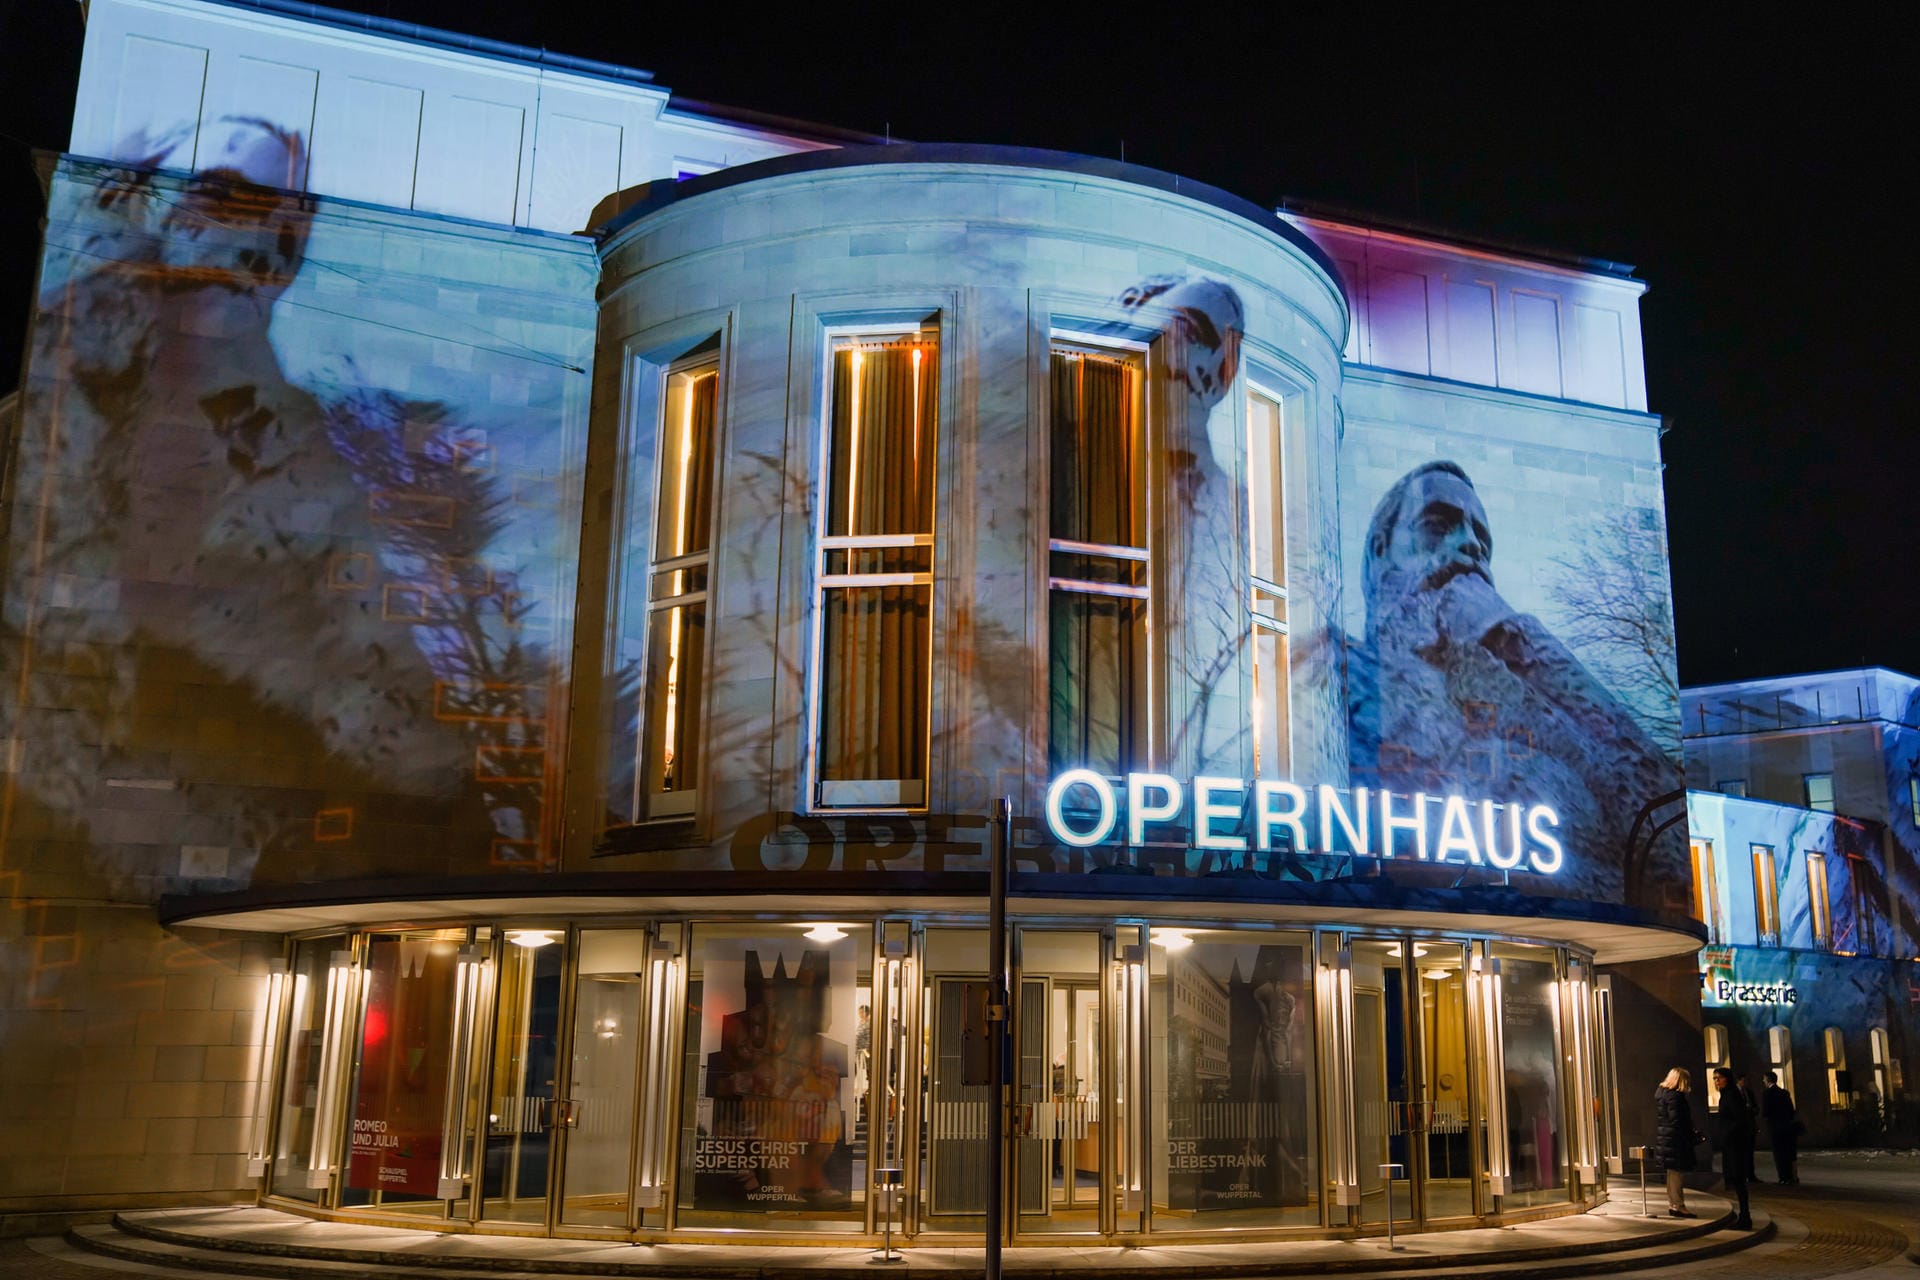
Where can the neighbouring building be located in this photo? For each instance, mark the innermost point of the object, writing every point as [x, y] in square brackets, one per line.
[1805, 832]
[522, 597]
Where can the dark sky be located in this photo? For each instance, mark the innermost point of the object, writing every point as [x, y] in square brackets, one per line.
[1746, 165]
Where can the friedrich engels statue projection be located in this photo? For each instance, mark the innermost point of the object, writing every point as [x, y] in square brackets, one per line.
[1455, 690]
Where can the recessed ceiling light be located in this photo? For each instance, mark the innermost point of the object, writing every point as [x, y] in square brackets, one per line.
[825, 933]
[531, 938]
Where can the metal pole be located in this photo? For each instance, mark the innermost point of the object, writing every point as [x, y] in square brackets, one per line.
[997, 1092]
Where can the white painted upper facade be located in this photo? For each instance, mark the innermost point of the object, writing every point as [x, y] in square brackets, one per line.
[420, 125]
[384, 119]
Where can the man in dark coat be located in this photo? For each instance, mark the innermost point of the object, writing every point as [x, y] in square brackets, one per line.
[1735, 1125]
[1783, 1130]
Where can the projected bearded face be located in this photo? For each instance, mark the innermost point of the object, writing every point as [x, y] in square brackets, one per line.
[1439, 534]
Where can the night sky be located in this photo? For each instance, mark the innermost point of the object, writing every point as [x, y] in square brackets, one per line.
[1745, 165]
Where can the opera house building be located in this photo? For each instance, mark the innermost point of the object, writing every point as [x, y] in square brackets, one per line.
[524, 599]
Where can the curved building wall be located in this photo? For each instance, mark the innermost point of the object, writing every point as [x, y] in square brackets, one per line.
[999, 264]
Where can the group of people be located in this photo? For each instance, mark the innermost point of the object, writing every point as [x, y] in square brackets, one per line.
[1735, 1129]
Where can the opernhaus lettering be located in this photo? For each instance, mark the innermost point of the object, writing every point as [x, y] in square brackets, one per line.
[1085, 808]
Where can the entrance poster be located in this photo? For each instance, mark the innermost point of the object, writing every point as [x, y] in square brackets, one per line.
[1530, 1035]
[397, 1110]
[776, 1097]
[1239, 1076]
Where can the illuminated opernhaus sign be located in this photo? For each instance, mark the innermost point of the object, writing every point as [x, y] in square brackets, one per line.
[1085, 808]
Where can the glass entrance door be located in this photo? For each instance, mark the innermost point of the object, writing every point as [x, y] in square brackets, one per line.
[1383, 1083]
[609, 1018]
[1062, 1129]
[522, 1110]
[1443, 1109]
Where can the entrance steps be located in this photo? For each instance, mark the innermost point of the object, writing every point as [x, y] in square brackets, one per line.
[249, 1241]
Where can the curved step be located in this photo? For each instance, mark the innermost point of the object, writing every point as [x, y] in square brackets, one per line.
[223, 1242]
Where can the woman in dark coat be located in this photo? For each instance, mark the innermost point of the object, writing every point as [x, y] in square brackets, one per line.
[1675, 1138]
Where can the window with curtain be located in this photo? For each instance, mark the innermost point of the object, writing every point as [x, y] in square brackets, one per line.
[1819, 906]
[1267, 543]
[669, 763]
[1706, 890]
[1097, 677]
[875, 575]
[1834, 1043]
[1766, 896]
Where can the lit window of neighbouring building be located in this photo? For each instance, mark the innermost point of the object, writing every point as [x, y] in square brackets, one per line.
[1099, 675]
[1834, 1042]
[1913, 799]
[1819, 906]
[1766, 896]
[1733, 787]
[1706, 891]
[1819, 788]
[677, 595]
[875, 572]
[1780, 1056]
[1719, 1054]
[1267, 540]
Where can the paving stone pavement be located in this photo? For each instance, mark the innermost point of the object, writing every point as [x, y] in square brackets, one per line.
[1852, 1216]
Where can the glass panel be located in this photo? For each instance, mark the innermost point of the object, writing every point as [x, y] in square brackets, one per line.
[1097, 427]
[953, 1180]
[1097, 683]
[1766, 895]
[874, 689]
[1821, 909]
[881, 450]
[1104, 570]
[679, 582]
[1444, 1112]
[684, 518]
[1266, 505]
[776, 1142]
[856, 560]
[1382, 1082]
[400, 1079]
[670, 755]
[1233, 1080]
[608, 1006]
[520, 1111]
[1060, 1055]
[1530, 1026]
[300, 1087]
[1272, 748]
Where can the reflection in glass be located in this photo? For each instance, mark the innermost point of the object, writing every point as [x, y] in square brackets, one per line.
[1267, 553]
[953, 1178]
[1058, 1075]
[1382, 1079]
[1233, 1080]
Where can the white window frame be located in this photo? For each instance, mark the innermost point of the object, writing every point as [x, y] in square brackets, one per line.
[1262, 618]
[1719, 1053]
[1780, 1056]
[1833, 1045]
[673, 806]
[1111, 346]
[862, 796]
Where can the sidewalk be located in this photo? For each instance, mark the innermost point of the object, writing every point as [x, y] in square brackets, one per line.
[256, 1241]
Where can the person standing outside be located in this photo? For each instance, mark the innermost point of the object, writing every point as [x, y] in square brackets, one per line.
[1734, 1128]
[1674, 1137]
[1783, 1130]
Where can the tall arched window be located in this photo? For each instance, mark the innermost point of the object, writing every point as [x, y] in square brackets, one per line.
[1881, 1050]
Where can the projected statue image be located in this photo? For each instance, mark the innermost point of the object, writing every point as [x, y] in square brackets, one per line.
[1454, 689]
[289, 602]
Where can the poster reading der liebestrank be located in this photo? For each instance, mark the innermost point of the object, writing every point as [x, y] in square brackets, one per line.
[776, 1086]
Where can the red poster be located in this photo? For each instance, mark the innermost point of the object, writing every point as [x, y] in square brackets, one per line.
[395, 1144]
